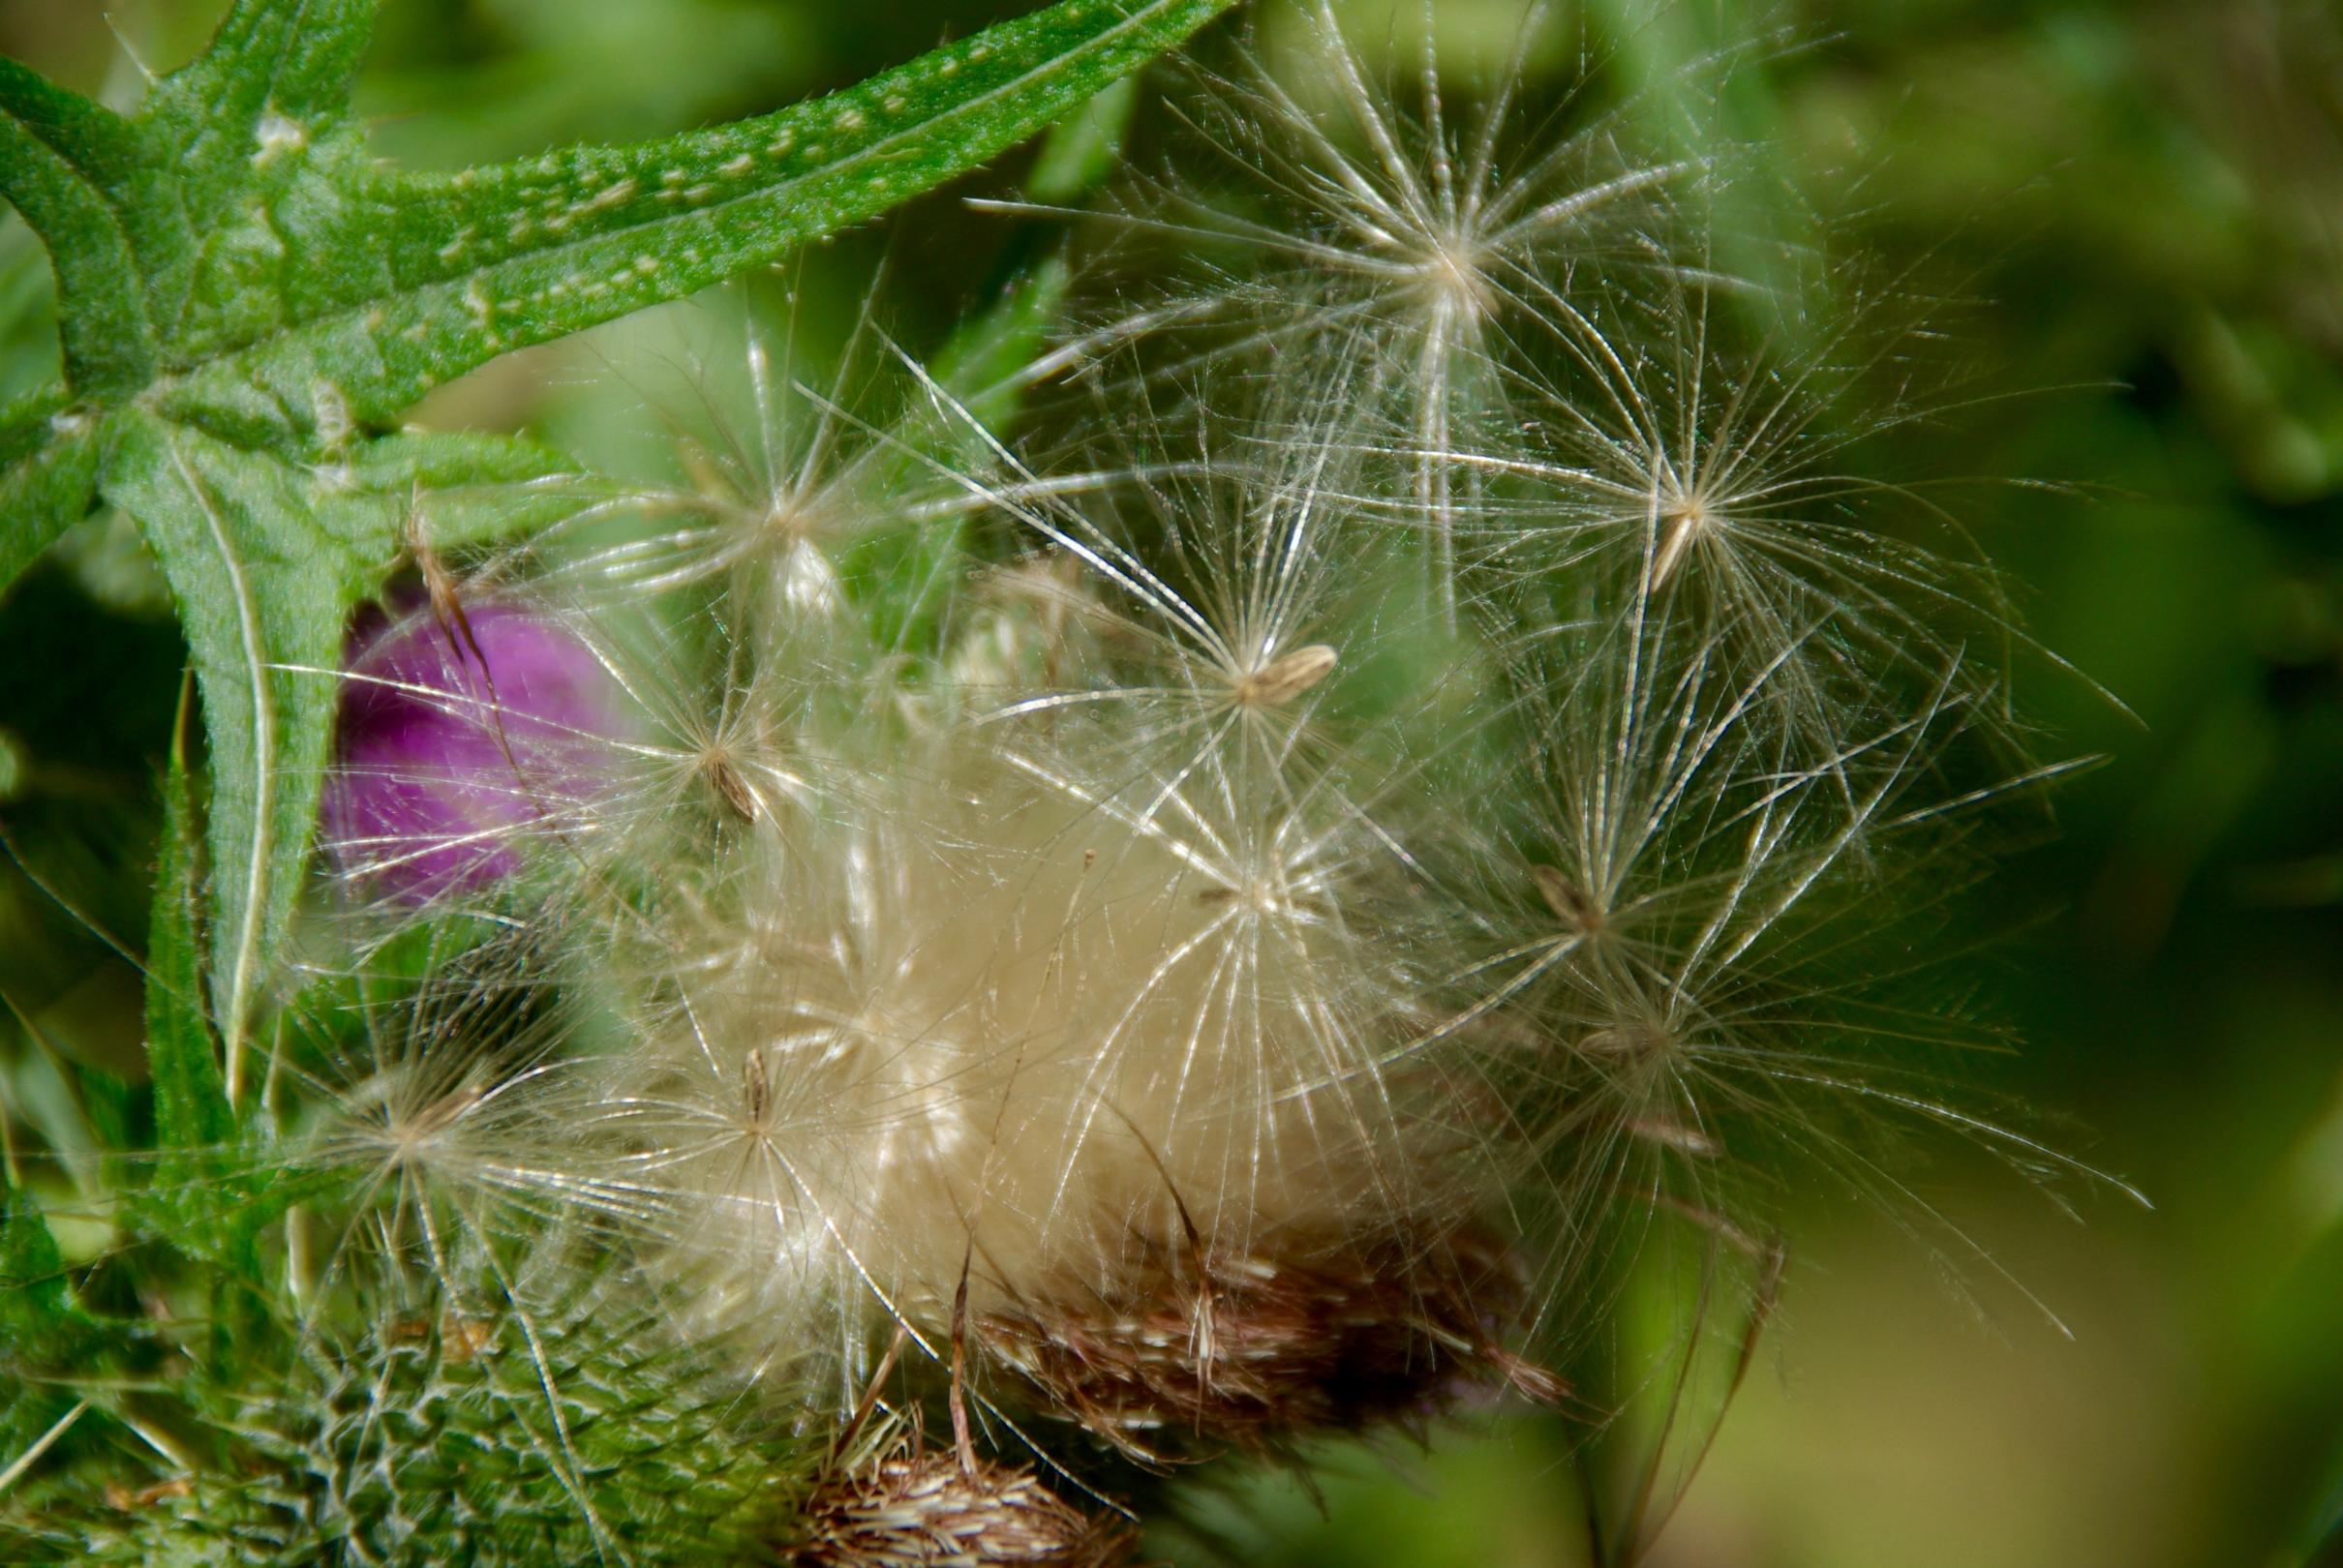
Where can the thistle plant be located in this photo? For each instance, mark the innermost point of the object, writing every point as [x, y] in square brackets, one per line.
[1212, 860]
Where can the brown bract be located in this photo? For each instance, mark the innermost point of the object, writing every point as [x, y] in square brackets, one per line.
[1276, 1344]
[919, 1510]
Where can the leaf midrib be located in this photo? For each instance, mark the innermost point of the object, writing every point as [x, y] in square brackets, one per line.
[264, 749]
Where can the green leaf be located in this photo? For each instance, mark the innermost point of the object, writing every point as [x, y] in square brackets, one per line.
[197, 1197]
[498, 259]
[42, 1328]
[294, 62]
[191, 1110]
[230, 253]
[74, 170]
[1081, 155]
[34, 1302]
[983, 361]
[260, 581]
[984, 367]
[51, 475]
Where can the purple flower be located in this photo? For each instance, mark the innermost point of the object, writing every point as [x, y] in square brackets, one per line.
[455, 737]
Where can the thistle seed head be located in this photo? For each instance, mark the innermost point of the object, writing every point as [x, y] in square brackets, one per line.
[985, 1008]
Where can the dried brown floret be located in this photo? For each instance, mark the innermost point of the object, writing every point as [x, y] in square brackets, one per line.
[928, 1510]
[1276, 1344]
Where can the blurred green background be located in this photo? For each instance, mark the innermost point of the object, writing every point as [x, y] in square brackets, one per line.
[2143, 202]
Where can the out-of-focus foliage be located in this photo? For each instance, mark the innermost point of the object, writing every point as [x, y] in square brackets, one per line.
[2137, 209]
